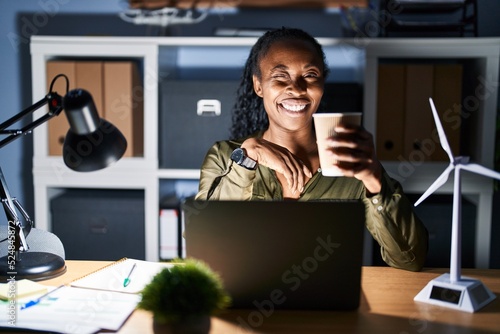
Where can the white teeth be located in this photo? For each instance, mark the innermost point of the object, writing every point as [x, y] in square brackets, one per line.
[294, 107]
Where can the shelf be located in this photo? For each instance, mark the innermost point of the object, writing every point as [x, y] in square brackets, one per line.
[355, 59]
[189, 174]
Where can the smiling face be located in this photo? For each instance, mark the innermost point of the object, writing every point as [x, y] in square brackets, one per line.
[291, 84]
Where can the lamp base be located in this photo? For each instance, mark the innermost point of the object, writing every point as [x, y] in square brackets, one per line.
[35, 266]
[466, 294]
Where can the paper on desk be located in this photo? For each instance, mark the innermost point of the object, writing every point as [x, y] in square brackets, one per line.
[111, 278]
[21, 288]
[73, 310]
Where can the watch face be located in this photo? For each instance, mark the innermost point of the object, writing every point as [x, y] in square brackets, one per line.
[237, 155]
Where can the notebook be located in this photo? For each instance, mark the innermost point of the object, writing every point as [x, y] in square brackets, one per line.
[137, 273]
[281, 254]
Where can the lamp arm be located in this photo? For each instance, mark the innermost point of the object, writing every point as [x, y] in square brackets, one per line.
[54, 101]
[10, 204]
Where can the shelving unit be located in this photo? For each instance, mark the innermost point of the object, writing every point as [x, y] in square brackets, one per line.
[50, 173]
[160, 57]
[415, 176]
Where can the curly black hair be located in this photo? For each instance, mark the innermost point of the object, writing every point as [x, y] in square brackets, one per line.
[248, 114]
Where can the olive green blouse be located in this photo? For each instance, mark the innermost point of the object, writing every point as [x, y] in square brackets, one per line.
[389, 215]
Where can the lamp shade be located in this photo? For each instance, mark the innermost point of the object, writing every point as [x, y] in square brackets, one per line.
[91, 143]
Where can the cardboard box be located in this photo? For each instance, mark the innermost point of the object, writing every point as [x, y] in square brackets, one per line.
[123, 103]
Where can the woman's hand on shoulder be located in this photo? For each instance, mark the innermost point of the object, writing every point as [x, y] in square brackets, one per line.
[280, 159]
[353, 147]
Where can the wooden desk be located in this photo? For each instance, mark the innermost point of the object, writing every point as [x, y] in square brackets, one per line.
[387, 306]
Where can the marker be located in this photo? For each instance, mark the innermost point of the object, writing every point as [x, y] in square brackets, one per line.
[39, 299]
[126, 281]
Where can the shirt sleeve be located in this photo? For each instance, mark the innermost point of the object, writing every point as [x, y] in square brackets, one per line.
[390, 219]
[221, 179]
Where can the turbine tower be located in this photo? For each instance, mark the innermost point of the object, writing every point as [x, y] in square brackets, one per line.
[453, 290]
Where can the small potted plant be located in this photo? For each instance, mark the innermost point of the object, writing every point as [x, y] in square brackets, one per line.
[183, 297]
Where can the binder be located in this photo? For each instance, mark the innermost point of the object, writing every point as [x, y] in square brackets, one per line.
[81, 74]
[123, 103]
[419, 143]
[390, 111]
[169, 234]
[405, 127]
[59, 126]
[90, 76]
[447, 97]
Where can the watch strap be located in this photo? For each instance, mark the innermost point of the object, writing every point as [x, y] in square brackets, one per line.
[248, 163]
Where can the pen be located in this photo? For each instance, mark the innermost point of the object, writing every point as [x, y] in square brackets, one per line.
[126, 281]
[39, 299]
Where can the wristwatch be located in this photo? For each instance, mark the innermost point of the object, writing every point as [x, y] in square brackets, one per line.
[240, 157]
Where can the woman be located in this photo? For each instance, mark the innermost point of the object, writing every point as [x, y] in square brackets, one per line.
[274, 155]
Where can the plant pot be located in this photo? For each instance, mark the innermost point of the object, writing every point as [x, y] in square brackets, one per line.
[189, 325]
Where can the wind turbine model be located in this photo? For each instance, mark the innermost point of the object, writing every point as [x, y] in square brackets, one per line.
[452, 290]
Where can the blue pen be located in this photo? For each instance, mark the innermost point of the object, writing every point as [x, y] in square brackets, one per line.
[39, 299]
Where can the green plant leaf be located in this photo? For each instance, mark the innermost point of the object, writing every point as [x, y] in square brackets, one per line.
[190, 288]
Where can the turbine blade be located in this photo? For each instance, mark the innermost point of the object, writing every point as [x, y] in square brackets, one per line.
[438, 183]
[478, 169]
[442, 135]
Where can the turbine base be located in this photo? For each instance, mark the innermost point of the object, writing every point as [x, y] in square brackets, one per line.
[467, 294]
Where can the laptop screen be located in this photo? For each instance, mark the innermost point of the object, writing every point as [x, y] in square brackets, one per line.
[294, 255]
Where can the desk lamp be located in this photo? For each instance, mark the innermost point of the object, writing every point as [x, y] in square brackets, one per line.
[453, 290]
[91, 144]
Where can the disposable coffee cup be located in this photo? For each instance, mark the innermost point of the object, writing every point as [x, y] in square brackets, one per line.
[324, 124]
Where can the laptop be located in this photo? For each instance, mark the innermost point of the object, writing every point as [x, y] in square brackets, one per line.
[280, 254]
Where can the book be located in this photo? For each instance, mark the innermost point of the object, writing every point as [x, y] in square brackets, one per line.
[138, 273]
